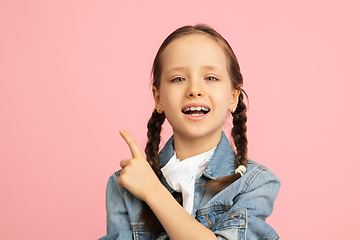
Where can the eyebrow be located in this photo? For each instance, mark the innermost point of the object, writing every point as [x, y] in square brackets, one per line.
[176, 69]
[207, 67]
[211, 68]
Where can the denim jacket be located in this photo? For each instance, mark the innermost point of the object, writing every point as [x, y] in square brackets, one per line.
[237, 212]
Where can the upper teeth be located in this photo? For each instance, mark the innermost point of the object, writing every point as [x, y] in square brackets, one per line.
[196, 109]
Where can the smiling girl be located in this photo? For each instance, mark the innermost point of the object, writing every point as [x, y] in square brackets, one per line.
[197, 187]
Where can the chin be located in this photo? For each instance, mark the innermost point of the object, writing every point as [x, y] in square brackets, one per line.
[199, 133]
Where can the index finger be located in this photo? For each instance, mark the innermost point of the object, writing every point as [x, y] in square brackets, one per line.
[134, 148]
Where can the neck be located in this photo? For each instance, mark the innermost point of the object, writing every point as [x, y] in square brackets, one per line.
[186, 146]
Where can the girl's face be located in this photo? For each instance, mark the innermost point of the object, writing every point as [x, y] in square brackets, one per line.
[195, 88]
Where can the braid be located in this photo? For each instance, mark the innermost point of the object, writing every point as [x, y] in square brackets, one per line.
[152, 146]
[240, 140]
[239, 131]
[152, 156]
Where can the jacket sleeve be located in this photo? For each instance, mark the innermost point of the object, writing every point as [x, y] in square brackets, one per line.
[118, 221]
[251, 206]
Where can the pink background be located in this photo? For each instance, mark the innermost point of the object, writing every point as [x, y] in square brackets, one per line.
[72, 73]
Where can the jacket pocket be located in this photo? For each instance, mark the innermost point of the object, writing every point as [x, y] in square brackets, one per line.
[224, 221]
[139, 233]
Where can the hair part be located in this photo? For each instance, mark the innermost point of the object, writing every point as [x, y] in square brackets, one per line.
[155, 122]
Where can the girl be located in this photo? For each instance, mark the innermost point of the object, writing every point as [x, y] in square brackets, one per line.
[196, 187]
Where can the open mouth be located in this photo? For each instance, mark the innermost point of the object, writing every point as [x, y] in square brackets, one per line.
[196, 111]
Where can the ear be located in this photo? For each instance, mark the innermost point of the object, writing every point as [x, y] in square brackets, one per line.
[234, 99]
[157, 99]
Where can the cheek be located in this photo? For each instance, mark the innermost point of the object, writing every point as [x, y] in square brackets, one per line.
[167, 100]
[223, 98]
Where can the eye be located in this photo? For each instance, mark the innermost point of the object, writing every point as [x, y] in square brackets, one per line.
[211, 79]
[178, 79]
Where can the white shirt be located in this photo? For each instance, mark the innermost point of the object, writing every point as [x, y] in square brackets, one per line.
[181, 175]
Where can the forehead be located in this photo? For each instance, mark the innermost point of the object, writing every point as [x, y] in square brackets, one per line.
[193, 51]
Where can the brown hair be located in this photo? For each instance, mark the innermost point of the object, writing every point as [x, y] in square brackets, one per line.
[238, 132]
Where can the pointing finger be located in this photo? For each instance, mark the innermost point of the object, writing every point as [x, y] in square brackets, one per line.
[134, 148]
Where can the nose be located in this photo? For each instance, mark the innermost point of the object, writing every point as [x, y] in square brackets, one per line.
[194, 91]
[195, 94]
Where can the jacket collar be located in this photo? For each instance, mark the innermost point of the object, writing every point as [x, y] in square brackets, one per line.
[221, 164]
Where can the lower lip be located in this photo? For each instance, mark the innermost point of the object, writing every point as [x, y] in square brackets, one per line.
[195, 118]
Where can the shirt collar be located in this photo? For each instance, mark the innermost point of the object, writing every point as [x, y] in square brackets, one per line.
[221, 164]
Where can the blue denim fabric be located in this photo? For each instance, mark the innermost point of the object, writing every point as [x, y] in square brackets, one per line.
[237, 212]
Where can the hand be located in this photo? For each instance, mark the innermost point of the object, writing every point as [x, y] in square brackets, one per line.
[137, 175]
